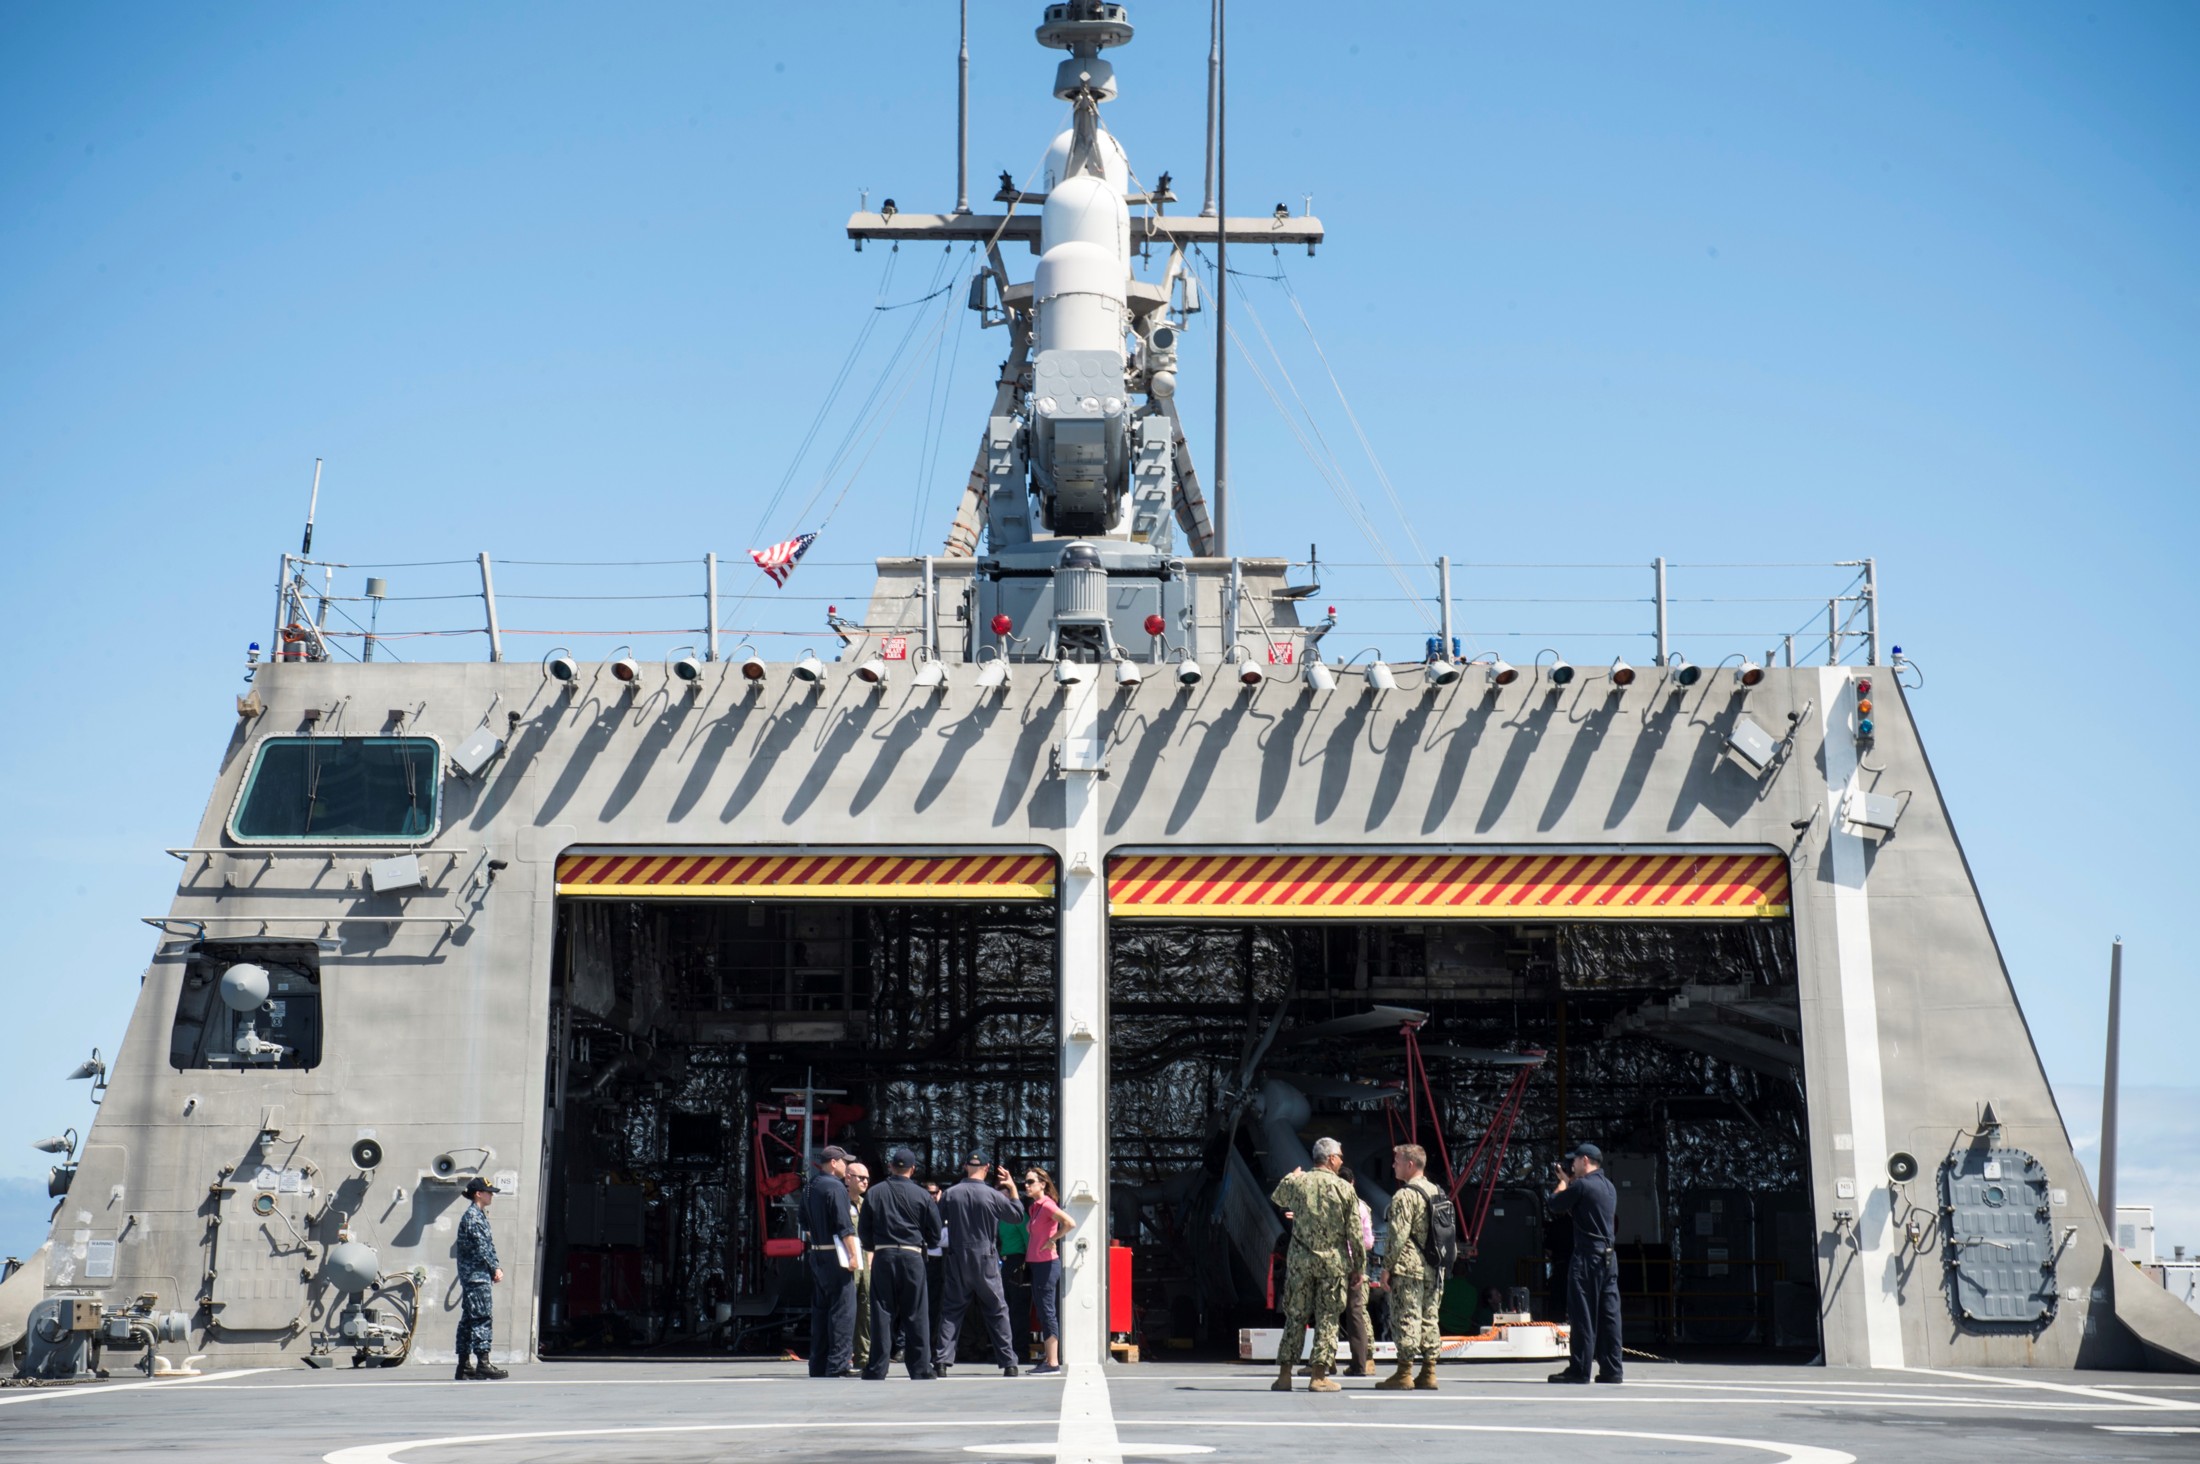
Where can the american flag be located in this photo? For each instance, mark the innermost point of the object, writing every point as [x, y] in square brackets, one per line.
[779, 560]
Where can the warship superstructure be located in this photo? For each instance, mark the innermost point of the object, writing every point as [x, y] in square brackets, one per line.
[1082, 851]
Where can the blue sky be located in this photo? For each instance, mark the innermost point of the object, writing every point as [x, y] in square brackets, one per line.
[1720, 282]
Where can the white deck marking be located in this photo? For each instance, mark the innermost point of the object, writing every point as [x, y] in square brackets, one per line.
[2174, 1405]
[1786, 1453]
[47, 1395]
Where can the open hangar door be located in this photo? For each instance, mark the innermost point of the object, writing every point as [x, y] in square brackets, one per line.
[712, 1012]
[1258, 1001]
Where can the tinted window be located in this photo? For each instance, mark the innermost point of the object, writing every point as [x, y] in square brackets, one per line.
[331, 788]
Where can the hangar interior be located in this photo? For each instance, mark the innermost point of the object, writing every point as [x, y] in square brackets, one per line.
[692, 1039]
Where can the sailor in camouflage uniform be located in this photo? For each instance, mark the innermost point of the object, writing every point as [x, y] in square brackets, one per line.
[477, 1271]
[1416, 1282]
[1325, 1250]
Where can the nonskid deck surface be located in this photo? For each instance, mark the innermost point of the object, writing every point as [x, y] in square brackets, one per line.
[677, 1412]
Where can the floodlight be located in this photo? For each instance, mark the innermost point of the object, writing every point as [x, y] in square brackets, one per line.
[1188, 672]
[562, 669]
[1319, 677]
[625, 670]
[752, 667]
[1442, 671]
[1249, 674]
[688, 669]
[1685, 673]
[930, 676]
[1069, 673]
[809, 668]
[992, 675]
[1752, 746]
[872, 672]
[1749, 673]
[1503, 673]
[1127, 674]
[1622, 674]
[1380, 678]
[1562, 673]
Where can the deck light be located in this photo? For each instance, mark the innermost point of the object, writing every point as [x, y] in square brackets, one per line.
[1443, 671]
[1127, 674]
[752, 666]
[1562, 673]
[993, 675]
[1249, 674]
[1319, 677]
[1749, 673]
[562, 669]
[1188, 672]
[625, 670]
[1622, 674]
[1002, 625]
[689, 670]
[1684, 672]
[1380, 677]
[1865, 727]
[1503, 673]
[1069, 673]
[809, 668]
[872, 672]
[1155, 625]
[931, 676]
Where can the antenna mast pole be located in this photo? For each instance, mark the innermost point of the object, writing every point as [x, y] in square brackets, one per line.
[2109, 1086]
[1218, 101]
[962, 117]
[1214, 82]
[313, 506]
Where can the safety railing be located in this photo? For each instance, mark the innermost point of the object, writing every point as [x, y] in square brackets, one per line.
[1651, 612]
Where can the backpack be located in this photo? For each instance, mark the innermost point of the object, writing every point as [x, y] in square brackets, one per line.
[1442, 1244]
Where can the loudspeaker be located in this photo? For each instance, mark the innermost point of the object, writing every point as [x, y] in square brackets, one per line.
[366, 1154]
[1901, 1167]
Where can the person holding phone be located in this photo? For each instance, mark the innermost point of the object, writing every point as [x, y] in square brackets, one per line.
[1592, 1276]
[1049, 1223]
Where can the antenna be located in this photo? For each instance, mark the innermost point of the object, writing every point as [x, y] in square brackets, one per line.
[313, 505]
[1214, 84]
[962, 117]
[2110, 1085]
[1220, 544]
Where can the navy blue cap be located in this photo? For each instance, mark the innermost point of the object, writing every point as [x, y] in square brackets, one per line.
[1589, 1152]
[902, 1158]
[976, 1161]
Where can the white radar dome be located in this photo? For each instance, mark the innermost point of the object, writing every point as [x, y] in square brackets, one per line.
[244, 987]
[1115, 164]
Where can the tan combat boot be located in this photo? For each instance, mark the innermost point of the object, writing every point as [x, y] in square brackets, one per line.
[1282, 1384]
[1427, 1380]
[1323, 1383]
[1402, 1378]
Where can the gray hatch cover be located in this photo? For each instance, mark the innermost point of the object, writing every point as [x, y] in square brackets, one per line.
[2000, 1242]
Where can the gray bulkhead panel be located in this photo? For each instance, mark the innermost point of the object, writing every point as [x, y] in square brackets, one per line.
[435, 1036]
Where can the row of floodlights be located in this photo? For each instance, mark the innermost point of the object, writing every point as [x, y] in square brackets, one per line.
[931, 674]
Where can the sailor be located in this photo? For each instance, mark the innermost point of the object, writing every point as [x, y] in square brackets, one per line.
[900, 1223]
[1325, 1250]
[832, 1258]
[973, 1211]
[478, 1271]
[1592, 1276]
[859, 1185]
[1410, 1271]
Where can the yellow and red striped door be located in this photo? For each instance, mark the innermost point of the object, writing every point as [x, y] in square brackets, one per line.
[858, 874]
[1635, 885]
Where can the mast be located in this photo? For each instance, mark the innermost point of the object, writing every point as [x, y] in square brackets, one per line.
[1221, 514]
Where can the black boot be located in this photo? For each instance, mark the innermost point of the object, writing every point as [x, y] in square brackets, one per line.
[484, 1368]
[465, 1373]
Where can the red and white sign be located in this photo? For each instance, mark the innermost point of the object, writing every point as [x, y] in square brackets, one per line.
[1283, 653]
[894, 648]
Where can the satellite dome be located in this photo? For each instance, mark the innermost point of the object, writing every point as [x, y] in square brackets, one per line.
[245, 987]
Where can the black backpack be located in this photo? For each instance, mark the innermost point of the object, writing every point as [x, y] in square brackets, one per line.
[1442, 1247]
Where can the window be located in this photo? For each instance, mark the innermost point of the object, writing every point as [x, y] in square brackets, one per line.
[283, 1031]
[341, 789]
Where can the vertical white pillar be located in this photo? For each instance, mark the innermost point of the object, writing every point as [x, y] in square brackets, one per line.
[1878, 1273]
[1083, 1031]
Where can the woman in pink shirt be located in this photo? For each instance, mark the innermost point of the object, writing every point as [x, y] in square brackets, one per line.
[1049, 1223]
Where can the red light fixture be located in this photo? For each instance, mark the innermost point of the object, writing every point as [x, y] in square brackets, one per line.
[1002, 625]
[1155, 625]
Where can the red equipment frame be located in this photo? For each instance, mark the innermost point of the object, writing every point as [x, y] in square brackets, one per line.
[1496, 1137]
